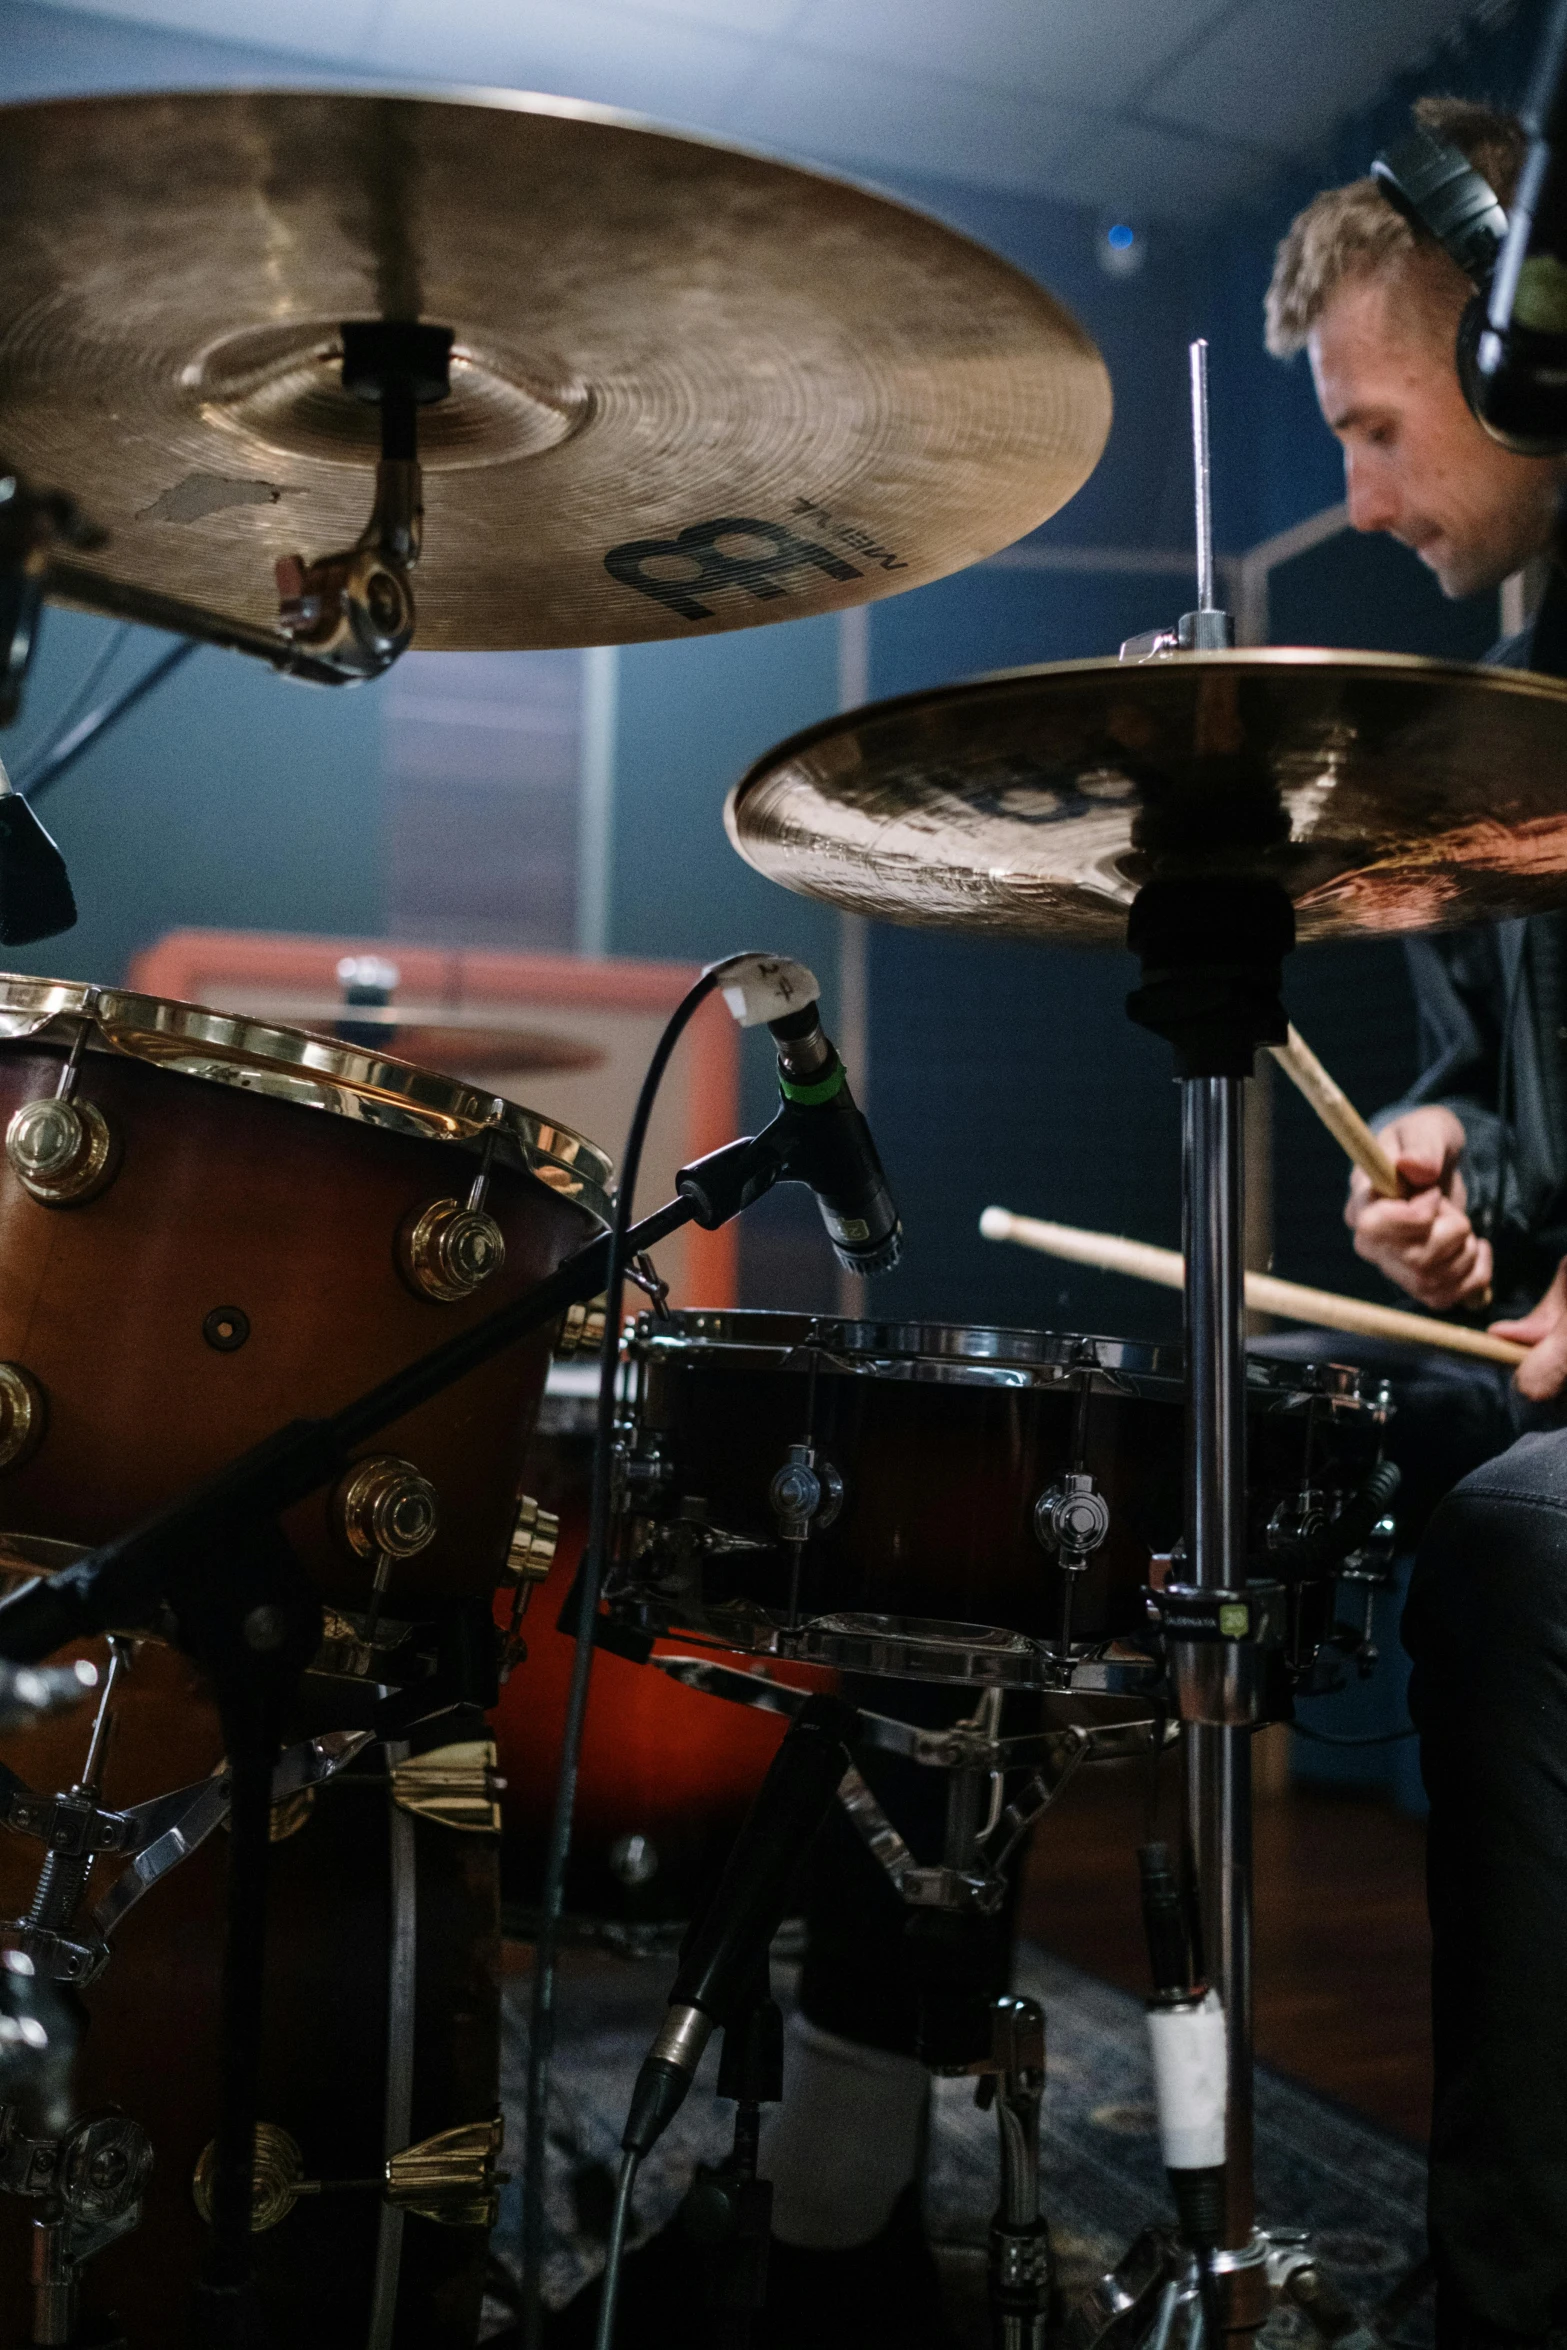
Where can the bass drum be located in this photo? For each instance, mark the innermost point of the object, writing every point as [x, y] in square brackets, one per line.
[667, 1774]
[381, 2034]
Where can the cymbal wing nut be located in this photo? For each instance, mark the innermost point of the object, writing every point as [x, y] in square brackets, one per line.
[61, 1151]
[449, 1250]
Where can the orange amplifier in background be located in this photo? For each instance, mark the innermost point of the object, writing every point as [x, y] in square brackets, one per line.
[567, 1036]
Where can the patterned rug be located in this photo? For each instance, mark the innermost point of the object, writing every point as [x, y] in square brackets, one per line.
[1358, 2189]
[1352, 2184]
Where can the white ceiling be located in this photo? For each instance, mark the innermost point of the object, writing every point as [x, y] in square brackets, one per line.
[1154, 107]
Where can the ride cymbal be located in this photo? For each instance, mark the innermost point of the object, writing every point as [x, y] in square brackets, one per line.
[1383, 792]
[692, 389]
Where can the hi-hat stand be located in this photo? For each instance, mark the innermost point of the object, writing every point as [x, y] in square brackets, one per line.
[1212, 947]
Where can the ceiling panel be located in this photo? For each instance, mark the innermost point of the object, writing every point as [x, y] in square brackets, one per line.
[1055, 49]
[304, 25]
[841, 111]
[682, 70]
[1281, 72]
[766, 19]
[1144, 169]
[1095, 101]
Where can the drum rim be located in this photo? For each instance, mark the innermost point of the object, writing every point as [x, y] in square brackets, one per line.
[966, 1353]
[314, 1072]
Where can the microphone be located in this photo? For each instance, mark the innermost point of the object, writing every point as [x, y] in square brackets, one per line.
[1517, 378]
[718, 1968]
[828, 1145]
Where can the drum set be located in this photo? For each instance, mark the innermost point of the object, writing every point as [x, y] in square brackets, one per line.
[277, 1308]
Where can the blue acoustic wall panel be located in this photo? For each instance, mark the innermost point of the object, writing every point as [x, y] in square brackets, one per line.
[230, 797]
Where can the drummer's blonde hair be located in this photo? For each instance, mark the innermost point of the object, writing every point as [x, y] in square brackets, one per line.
[1354, 232]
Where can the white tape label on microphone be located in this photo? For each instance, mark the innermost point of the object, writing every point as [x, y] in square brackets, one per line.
[766, 987]
[1191, 2082]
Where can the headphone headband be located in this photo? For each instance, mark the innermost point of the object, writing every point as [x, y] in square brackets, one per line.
[1438, 189]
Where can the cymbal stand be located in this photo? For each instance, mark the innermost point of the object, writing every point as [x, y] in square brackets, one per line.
[86, 2172]
[1212, 949]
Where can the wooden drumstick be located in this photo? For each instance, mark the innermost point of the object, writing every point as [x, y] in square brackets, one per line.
[1338, 1113]
[1290, 1300]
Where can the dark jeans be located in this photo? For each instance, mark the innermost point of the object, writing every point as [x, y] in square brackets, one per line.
[1486, 1626]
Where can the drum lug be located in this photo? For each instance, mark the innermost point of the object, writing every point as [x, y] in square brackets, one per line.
[448, 1249]
[1072, 1519]
[22, 1415]
[581, 1329]
[276, 2184]
[534, 1536]
[385, 1508]
[452, 1786]
[805, 1495]
[62, 1152]
[449, 2178]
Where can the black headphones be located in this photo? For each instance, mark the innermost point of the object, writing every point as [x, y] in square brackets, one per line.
[1437, 188]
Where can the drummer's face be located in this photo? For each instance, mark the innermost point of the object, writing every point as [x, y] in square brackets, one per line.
[1416, 463]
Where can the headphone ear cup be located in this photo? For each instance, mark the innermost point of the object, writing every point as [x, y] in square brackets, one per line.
[1471, 327]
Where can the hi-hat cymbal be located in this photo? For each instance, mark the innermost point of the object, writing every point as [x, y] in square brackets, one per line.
[1381, 791]
[692, 389]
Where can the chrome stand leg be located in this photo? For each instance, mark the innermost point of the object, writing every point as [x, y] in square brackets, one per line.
[1218, 1759]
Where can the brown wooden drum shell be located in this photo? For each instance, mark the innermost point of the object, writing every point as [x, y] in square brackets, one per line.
[225, 1198]
[151, 2048]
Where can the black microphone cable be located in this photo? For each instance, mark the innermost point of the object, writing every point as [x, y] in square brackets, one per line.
[541, 2029]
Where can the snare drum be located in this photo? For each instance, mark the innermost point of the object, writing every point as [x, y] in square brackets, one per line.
[210, 1226]
[934, 1501]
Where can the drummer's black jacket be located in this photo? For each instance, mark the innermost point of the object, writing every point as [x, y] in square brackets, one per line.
[1491, 1005]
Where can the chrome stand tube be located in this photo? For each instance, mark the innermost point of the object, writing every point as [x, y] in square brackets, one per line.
[1218, 1760]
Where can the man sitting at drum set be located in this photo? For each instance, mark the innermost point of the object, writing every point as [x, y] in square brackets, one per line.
[1481, 1144]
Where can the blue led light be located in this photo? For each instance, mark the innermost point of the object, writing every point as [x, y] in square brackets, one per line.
[1120, 238]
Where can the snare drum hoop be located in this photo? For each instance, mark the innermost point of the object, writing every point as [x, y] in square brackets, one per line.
[313, 1072]
[964, 1354]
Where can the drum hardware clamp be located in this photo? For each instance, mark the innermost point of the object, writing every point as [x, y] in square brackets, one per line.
[154, 1836]
[450, 2178]
[63, 1150]
[90, 2174]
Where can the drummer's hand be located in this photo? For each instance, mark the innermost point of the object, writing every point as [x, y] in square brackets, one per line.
[1426, 1242]
[1543, 1372]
